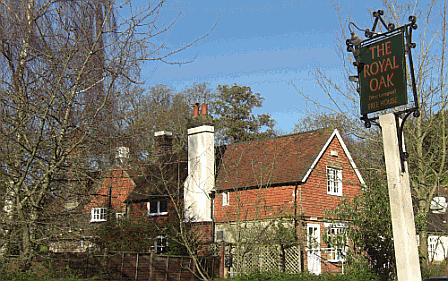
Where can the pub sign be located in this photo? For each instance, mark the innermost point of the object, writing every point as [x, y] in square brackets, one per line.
[382, 74]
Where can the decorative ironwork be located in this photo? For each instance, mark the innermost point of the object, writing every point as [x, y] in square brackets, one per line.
[354, 44]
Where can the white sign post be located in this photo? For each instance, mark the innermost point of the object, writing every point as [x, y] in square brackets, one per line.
[403, 224]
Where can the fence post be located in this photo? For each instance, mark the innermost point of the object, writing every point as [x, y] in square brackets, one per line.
[222, 261]
[122, 265]
[136, 267]
[151, 266]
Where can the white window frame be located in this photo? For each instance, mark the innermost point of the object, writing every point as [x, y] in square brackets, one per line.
[334, 181]
[314, 248]
[160, 244]
[120, 216]
[98, 215]
[225, 198]
[158, 212]
[432, 247]
[336, 253]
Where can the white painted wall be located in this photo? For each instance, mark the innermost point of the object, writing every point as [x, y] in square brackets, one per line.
[201, 173]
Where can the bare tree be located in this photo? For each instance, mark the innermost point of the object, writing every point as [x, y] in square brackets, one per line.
[63, 65]
[425, 136]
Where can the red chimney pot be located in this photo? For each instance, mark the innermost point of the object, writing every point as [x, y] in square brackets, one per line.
[204, 109]
[196, 110]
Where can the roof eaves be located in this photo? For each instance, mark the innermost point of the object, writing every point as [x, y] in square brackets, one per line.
[347, 153]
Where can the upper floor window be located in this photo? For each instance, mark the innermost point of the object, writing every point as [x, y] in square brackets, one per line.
[98, 214]
[334, 181]
[157, 208]
[225, 198]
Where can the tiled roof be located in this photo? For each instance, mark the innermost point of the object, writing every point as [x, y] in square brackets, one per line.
[273, 161]
[157, 180]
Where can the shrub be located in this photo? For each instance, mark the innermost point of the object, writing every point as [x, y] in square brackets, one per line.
[41, 273]
[359, 275]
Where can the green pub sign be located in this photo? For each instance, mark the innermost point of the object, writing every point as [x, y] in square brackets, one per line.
[383, 73]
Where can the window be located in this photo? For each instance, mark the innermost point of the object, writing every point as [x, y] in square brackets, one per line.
[432, 246]
[336, 244]
[98, 214]
[334, 181]
[119, 216]
[219, 235]
[437, 248]
[225, 198]
[160, 244]
[157, 208]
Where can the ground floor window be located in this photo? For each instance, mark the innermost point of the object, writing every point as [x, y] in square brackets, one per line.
[98, 215]
[157, 208]
[336, 241]
[160, 245]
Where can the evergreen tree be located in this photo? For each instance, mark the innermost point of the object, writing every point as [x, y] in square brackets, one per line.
[235, 121]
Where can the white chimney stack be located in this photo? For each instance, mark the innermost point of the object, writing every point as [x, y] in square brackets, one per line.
[201, 166]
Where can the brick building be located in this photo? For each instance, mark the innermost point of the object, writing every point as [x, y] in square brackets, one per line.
[239, 192]
[296, 177]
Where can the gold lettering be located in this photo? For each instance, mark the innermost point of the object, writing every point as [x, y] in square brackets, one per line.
[395, 65]
[387, 48]
[373, 52]
[382, 82]
[376, 84]
[389, 79]
[380, 50]
[377, 68]
[388, 63]
[366, 70]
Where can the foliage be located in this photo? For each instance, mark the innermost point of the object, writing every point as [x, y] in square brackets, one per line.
[425, 136]
[370, 238]
[136, 234]
[359, 275]
[126, 235]
[64, 65]
[159, 108]
[434, 270]
[234, 118]
[43, 273]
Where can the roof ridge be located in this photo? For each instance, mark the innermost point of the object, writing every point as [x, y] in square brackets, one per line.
[329, 128]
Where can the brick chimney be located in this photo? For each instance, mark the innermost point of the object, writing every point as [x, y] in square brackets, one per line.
[163, 143]
[201, 165]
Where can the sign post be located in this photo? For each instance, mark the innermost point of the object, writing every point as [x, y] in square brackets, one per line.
[381, 65]
[403, 224]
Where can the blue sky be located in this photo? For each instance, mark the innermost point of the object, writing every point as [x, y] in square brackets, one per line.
[262, 44]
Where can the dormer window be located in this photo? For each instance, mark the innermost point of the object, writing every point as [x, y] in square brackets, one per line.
[157, 208]
[98, 215]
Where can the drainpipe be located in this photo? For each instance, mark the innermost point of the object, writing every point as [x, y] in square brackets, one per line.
[212, 210]
[109, 202]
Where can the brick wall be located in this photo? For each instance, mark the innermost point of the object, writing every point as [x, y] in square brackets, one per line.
[121, 186]
[312, 198]
[253, 204]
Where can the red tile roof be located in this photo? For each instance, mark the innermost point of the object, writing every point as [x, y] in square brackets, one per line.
[157, 180]
[280, 160]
